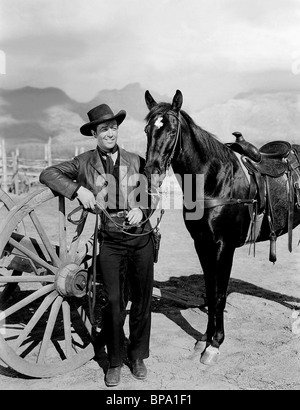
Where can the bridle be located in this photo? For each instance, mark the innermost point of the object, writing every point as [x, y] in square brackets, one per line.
[177, 137]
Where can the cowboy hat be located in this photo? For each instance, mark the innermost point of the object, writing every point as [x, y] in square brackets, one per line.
[100, 114]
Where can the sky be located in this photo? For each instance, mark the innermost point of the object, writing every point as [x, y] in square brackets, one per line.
[209, 49]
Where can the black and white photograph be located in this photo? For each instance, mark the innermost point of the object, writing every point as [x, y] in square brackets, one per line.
[149, 197]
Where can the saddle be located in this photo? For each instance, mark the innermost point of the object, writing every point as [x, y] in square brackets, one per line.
[264, 165]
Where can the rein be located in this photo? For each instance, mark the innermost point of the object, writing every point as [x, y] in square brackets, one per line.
[122, 227]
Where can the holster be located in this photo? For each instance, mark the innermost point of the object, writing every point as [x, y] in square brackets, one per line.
[156, 237]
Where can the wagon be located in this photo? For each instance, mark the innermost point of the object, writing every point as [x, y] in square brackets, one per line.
[45, 326]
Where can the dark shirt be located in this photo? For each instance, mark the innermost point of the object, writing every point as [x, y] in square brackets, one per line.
[113, 204]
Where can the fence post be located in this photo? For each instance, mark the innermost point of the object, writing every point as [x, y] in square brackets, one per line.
[4, 166]
[15, 171]
[46, 153]
[49, 158]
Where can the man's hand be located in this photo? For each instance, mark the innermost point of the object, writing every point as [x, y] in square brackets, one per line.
[135, 216]
[86, 197]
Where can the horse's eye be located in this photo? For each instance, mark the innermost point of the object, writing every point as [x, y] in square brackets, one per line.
[171, 134]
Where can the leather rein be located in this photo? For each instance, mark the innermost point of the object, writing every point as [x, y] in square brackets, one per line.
[122, 227]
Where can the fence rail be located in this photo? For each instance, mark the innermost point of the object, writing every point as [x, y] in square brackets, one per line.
[18, 175]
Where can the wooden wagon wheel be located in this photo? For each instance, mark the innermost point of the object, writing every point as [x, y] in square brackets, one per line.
[5, 200]
[46, 331]
[6, 204]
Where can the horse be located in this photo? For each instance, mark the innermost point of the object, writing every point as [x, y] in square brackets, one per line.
[230, 206]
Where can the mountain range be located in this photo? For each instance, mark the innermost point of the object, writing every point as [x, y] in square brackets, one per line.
[260, 116]
[29, 116]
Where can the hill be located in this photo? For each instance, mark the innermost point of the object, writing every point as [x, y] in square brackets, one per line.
[31, 115]
[260, 116]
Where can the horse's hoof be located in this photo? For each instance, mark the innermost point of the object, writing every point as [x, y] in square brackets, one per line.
[200, 346]
[210, 355]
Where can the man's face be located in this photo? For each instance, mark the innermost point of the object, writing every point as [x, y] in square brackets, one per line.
[107, 135]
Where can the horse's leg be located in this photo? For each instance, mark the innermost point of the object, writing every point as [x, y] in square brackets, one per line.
[216, 261]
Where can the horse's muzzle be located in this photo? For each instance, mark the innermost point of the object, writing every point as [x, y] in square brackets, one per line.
[154, 177]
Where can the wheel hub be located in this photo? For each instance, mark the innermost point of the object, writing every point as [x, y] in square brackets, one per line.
[71, 280]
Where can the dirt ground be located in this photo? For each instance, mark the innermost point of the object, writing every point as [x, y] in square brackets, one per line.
[261, 350]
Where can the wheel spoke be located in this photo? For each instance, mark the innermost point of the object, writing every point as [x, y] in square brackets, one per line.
[85, 320]
[24, 302]
[49, 329]
[9, 288]
[67, 328]
[32, 255]
[62, 229]
[32, 244]
[50, 249]
[27, 279]
[35, 318]
[83, 251]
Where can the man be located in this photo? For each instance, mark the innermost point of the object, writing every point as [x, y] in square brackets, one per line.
[109, 176]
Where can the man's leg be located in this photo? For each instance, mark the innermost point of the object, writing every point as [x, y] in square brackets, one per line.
[112, 263]
[141, 282]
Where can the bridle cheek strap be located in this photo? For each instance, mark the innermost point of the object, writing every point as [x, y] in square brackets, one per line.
[177, 138]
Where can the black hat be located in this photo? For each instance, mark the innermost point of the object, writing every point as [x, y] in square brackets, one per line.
[100, 114]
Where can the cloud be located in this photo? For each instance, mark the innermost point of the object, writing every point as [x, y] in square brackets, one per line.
[39, 17]
[267, 13]
[83, 46]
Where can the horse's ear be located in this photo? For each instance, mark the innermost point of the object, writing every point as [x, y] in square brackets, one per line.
[177, 101]
[149, 100]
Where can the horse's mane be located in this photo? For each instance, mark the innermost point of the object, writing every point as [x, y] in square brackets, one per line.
[203, 137]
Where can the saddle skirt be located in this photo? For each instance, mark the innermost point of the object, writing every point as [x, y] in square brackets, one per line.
[275, 171]
[278, 158]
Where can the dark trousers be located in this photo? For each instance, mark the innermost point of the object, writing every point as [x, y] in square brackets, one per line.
[125, 258]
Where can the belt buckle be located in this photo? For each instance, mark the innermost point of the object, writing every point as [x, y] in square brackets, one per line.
[121, 214]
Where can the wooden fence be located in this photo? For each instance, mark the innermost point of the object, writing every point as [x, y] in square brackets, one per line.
[18, 175]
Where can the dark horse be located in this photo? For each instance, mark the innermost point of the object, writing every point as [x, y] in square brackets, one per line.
[174, 139]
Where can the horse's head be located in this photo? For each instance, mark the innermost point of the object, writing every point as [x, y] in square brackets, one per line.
[163, 132]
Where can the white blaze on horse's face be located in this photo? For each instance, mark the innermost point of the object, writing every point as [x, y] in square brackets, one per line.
[159, 123]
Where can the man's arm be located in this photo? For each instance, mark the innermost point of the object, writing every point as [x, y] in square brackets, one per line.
[61, 178]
